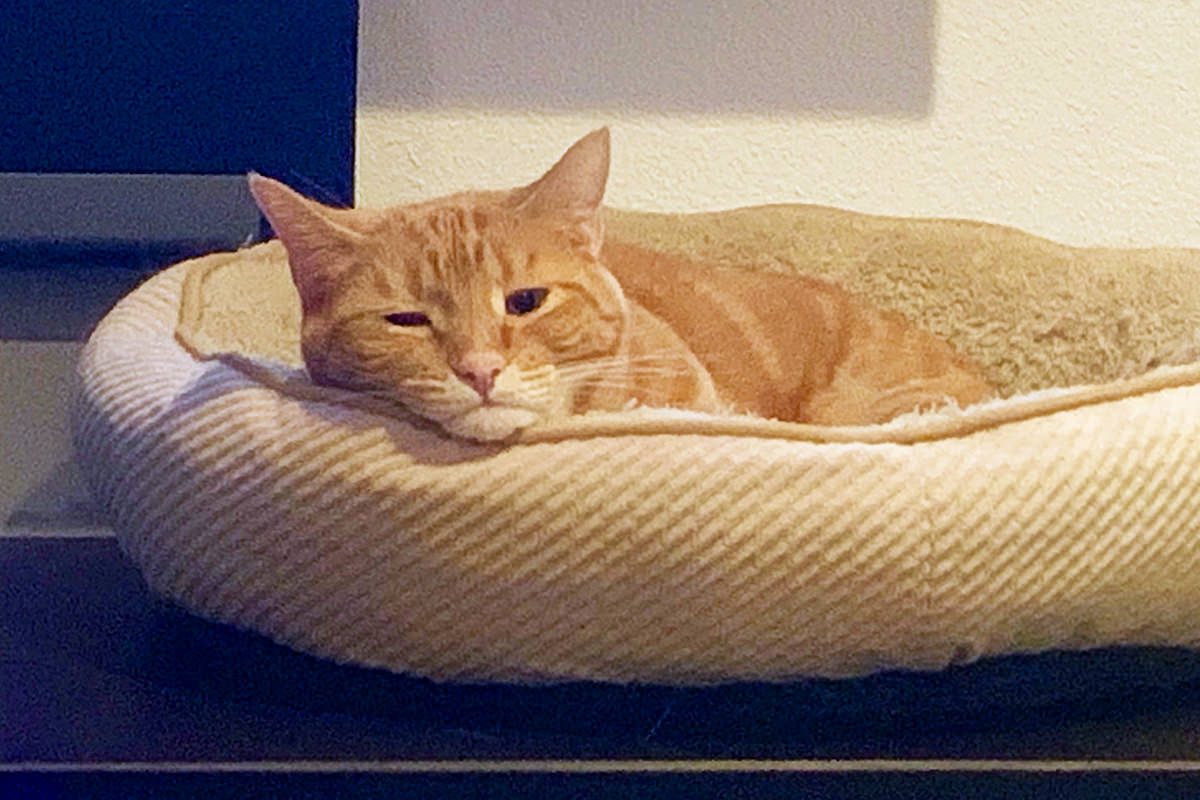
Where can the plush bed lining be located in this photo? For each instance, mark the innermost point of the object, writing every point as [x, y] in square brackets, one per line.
[242, 309]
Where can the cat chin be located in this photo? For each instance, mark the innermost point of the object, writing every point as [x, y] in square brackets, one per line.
[490, 423]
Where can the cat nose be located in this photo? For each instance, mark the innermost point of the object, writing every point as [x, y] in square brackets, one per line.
[478, 369]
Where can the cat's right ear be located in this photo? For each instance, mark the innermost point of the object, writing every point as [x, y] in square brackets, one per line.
[572, 189]
[319, 244]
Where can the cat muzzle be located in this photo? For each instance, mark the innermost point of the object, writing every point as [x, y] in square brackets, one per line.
[478, 369]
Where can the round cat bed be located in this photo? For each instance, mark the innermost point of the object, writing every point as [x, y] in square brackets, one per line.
[667, 547]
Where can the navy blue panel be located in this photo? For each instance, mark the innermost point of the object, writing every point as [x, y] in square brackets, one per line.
[181, 86]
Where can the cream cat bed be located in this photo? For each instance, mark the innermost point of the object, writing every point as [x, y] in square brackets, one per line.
[671, 547]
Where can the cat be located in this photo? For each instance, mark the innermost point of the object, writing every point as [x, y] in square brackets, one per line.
[490, 311]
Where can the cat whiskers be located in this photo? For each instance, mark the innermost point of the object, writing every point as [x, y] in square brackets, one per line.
[649, 364]
[644, 376]
[525, 388]
[514, 388]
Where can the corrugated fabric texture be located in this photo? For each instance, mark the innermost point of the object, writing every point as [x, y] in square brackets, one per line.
[678, 559]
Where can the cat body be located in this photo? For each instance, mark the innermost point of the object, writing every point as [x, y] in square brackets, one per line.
[488, 312]
[795, 347]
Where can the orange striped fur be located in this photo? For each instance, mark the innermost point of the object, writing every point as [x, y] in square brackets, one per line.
[489, 311]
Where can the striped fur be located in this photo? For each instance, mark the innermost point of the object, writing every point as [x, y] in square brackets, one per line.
[489, 311]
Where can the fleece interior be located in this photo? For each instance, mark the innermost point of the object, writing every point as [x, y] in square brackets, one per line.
[1032, 313]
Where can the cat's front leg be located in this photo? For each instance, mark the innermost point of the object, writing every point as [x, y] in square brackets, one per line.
[664, 371]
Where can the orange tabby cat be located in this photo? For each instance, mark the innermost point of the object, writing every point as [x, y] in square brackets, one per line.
[489, 311]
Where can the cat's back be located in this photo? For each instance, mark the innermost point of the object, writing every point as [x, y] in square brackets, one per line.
[768, 340]
[795, 347]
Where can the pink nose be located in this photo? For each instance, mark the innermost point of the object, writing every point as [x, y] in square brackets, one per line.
[478, 369]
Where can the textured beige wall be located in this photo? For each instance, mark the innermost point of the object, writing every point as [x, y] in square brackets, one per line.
[1078, 120]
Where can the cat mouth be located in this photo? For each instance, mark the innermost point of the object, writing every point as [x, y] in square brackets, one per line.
[493, 416]
[490, 422]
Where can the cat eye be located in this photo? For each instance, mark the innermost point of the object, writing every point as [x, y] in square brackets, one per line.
[408, 319]
[523, 301]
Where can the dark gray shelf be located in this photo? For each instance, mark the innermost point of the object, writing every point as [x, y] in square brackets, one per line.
[149, 211]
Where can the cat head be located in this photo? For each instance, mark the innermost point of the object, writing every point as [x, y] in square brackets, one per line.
[482, 311]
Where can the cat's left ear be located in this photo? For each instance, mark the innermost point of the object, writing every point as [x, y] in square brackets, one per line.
[572, 189]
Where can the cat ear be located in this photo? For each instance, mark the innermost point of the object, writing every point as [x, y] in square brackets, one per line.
[572, 188]
[318, 241]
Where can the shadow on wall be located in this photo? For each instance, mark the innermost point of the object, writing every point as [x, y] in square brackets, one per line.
[872, 57]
